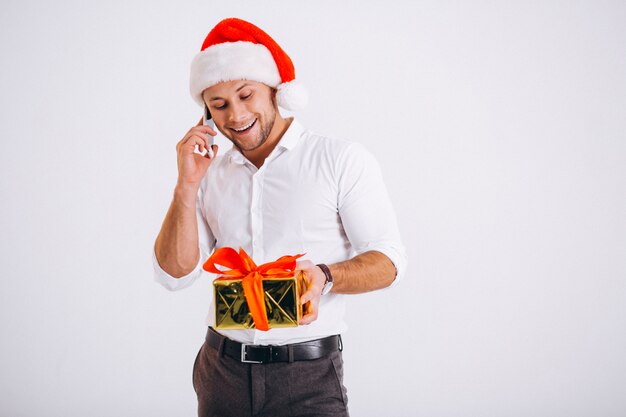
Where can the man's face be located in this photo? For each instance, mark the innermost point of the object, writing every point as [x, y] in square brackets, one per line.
[240, 104]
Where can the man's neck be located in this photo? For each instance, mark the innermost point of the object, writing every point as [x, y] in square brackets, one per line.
[257, 156]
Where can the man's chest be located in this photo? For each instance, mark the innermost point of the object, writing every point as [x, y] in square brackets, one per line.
[279, 200]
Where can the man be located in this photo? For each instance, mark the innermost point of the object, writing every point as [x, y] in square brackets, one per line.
[280, 190]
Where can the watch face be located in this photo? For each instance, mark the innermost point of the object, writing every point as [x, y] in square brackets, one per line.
[327, 288]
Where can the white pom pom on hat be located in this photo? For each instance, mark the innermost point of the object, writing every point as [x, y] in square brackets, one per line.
[238, 50]
[292, 95]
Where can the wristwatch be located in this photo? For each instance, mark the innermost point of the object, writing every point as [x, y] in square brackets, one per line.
[329, 278]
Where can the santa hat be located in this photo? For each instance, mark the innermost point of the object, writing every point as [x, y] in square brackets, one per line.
[238, 50]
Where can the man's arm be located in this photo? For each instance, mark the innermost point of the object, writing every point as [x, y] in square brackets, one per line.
[370, 224]
[368, 271]
[184, 234]
[176, 246]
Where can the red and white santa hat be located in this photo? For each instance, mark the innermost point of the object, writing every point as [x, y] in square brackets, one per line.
[238, 50]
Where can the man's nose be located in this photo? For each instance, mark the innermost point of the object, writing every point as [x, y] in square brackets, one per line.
[237, 113]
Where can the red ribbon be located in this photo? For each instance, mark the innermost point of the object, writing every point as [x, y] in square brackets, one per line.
[242, 266]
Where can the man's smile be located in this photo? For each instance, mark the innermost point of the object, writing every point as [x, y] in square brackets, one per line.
[244, 128]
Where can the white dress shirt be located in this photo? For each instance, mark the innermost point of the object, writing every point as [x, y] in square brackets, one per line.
[315, 195]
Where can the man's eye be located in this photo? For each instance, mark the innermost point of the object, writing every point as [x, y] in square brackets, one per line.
[246, 97]
[221, 107]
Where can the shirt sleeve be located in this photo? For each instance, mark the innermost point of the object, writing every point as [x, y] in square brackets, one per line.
[206, 243]
[368, 217]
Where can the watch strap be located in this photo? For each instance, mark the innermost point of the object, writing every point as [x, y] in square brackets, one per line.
[326, 270]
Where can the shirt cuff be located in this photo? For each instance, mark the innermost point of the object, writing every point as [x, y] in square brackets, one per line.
[397, 256]
[170, 282]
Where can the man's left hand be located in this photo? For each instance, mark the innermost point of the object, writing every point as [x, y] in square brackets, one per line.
[315, 281]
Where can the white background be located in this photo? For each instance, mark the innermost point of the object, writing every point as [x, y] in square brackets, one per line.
[500, 128]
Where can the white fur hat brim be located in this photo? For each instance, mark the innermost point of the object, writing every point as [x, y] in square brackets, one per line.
[242, 60]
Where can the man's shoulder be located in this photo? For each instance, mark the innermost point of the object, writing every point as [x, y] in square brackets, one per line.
[331, 145]
[342, 151]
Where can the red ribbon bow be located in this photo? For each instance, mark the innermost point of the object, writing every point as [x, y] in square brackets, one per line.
[242, 266]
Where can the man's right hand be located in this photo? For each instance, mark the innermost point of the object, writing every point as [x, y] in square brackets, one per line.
[193, 166]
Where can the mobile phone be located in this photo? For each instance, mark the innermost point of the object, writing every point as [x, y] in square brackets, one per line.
[207, 120]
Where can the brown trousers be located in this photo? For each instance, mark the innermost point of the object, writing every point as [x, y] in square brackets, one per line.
[227, 387]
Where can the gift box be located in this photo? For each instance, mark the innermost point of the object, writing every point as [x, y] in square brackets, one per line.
[280, 298]
[256, 297]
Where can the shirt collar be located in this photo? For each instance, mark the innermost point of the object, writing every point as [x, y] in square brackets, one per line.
[291, 136]
[290, 139]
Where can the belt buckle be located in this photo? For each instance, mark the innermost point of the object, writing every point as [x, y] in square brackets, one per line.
[243, 354]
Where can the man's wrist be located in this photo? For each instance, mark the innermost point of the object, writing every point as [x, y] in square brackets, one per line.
[328, 284]
[186, 193]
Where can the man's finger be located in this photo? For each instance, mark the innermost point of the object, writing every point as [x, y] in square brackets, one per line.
[203, 129]
[309, 318]
[198, 131]
[214, 147]
[309, 295]
[312, 309]
[192, 141]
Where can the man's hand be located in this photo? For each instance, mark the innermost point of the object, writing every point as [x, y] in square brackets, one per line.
[193, 166]
[315, 282]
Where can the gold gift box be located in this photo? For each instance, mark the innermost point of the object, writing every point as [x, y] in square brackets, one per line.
[281, 299]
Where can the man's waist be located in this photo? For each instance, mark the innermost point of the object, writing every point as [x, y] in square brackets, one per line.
[250, 353]
[281, 337]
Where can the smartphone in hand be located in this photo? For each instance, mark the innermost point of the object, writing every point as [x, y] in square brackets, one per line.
[207, 120]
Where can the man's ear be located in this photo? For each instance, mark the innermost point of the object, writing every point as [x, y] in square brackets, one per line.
[274, 100]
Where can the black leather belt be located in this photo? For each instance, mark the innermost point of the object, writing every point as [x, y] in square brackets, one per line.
[304, 351]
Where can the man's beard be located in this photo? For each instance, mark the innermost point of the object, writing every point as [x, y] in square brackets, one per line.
[264, 133]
